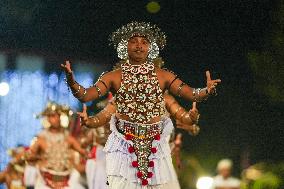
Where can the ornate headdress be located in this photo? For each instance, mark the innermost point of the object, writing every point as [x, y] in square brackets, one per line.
[154, 35]
[64, 111]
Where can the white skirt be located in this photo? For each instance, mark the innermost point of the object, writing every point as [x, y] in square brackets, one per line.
[122, 175]
[73, 182]
[96, 170]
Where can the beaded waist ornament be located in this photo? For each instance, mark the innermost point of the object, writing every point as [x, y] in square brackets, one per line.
[55, 181]
[142, 136]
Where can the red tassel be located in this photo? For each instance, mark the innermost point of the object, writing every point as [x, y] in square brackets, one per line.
[151, 164]
[135, 163]
[128, 137]
[144, 182]
[150, 175]
[157, 137]
[131, 149]
[153, 150]
[139, 174]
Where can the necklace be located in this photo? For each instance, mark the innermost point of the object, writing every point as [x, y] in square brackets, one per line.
[138, 69]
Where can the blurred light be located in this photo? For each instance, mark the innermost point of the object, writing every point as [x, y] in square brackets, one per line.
[204, 183]
[4, 88]
[64, 120]
[29, 63]
[153, 7]
[53, 80]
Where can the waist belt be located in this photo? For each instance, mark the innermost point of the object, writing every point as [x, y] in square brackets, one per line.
[138, 130]
[55, 181]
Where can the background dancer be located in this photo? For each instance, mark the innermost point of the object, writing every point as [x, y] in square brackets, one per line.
[54, 145]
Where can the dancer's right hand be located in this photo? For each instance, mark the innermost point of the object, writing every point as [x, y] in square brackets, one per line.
[83, 115]
[66, 67]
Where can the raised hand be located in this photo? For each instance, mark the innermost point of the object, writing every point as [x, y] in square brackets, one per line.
[83, 115]
[66, 67]
[211, 84]
[193, 113]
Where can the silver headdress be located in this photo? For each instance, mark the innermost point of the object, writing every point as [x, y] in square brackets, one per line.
[156, 37]
[63, 111]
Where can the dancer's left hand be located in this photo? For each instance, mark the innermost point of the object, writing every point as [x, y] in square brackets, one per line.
[211, 84]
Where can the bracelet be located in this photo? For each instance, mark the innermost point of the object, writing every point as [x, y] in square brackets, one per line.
[183, 114]
[172, 82]
[103, 83]
[96, 120]
[85, 92]
[98, 90]
[69, 77]
[180, 88]
[107, 112]
[193, 94]
[196, 93]
[176, 111]
[172, 103]
[77, 90]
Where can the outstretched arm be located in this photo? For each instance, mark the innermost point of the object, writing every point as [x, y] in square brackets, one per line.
[179, 113]
[103, 85]
[179, 88]
[98, 120]
[76, 146]
[186, 120]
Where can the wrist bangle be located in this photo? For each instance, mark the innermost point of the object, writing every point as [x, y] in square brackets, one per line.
[176, 111]
[77, 90]
[180, 88]
[85, 92]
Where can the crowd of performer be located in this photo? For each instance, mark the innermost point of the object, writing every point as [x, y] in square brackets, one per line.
[128, 144]
[56, 159]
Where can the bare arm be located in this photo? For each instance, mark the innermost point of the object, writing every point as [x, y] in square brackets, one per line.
[75, 145]
[178, 112]
[186, 120]
[171, 82]
[104, 84]
[98, 120]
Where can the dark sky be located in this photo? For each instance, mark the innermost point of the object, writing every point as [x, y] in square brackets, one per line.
[202, 34]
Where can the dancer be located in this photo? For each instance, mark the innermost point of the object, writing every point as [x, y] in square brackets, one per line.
[54, 146]
[137, 152]
[13, 175]
[95, 167]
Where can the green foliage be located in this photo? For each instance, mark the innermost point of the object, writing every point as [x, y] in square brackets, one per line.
[194, 167]
[268, 64]
[267, 181]
[270, 177]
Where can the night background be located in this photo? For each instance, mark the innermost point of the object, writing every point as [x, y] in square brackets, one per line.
[240, 42]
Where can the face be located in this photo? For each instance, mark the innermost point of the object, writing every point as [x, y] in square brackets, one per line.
[225, 172]
[54, 120]
[138, 48]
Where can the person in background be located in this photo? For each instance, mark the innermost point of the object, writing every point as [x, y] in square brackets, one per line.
[224, 180]
[54, 148]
